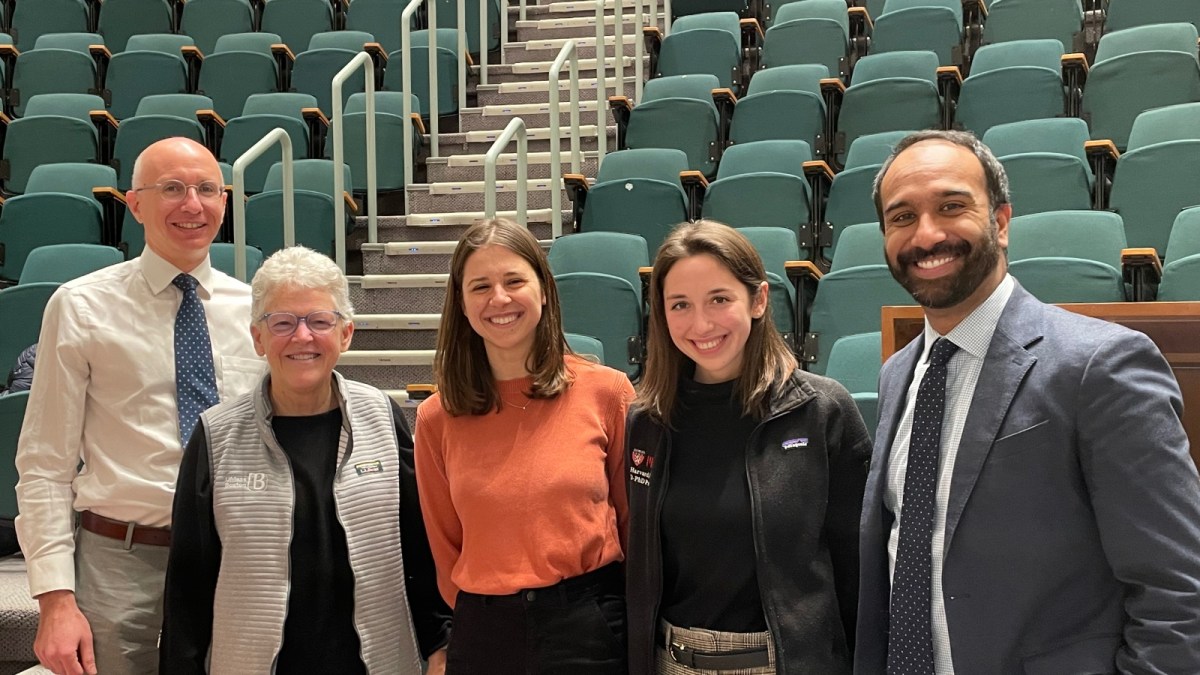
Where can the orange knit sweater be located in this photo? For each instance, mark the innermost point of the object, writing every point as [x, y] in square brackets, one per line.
[521, 499]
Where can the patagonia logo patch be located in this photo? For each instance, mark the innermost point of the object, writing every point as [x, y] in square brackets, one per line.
[795, 444]
[364, 468]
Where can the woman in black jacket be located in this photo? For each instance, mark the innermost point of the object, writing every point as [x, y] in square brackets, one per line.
[745, 482]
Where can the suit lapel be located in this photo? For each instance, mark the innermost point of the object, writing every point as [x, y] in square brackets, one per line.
[893, 394]
[1007, 364]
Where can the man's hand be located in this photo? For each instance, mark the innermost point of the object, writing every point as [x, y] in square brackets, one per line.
[64, 638]
[437, 663]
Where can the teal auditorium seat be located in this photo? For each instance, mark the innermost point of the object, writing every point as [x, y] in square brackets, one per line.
[777, 246]
[1010, 20]
[296, 21]
[221, 255]
[22, 307]
[1025, 75]
[382, 18]
[59, 263]
[207, 20]
[1181, 274]
[600, 291]
[850, 193]
[812, 31]
[1045, 162]
[586, 346]
[327, 54]
[850, 298]
[637, 192]
[55, 128]
[1124, 14]
[854, 361]
[688, 7]
[908, 25]
[1068, 256]
[314, 208]
[891, 91]
[678, 112]
[1136, 69]
[447, 18]
[150, 64]
[700, 44]
[157, 117]
[60, 63]
[390, 127]
[782, 103]
[33, 18]
[447, 70]
[241, 65]
[762, 184]
[263, 113]
[120, 19]
[1158, 174]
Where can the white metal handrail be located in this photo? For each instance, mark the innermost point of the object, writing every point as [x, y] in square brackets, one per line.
[567, 52]
[406, 84]
[516, 127]
[483, 34]
[638, 50]
[462, 53]
[601, 87]
[362, 60]
[276, 135]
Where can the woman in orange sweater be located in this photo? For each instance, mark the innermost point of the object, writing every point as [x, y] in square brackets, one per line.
[519, 461]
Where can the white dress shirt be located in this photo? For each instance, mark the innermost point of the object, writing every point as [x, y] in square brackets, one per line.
[973, 336]
[104, 394]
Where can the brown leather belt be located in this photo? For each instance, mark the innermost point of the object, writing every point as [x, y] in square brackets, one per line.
[130, 533]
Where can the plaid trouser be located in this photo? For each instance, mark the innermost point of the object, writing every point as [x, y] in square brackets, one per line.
[711, 641]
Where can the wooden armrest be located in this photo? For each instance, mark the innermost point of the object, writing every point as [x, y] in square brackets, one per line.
[949, 72]
[191, 51]
[802, 268]
[350, 203]
[1103, 146]
[575, 181]
[686, 177]
[470, 61]
[819, 167]
[278, 49]
[861, 14]
[622, 101]
[376, 51]
[210, 116]
[5, 119]
[9, 51]
[1142, 256]
[1075, 60]
[102, 192]
[978, 5]
[644, 273]
[748, 23]
[420, 123]
[724, 94]
[99, 50]
[833, 83]
[420, 392]
[652, 30]
[314, 113]
[103, 116]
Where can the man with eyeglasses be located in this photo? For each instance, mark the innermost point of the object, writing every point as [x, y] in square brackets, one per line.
[129, 357]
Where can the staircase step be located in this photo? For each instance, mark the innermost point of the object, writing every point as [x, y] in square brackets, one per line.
[469, 195]
[398, 293]
[513, 93]
[535, 115]
[571, 27]
[479, 142]
[395, 331]
[547, 50]
[408, 257]
[539, 71]
[470, 167]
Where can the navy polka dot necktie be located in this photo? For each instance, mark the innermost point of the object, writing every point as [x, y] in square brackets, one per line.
[195, 378]
[910, 640]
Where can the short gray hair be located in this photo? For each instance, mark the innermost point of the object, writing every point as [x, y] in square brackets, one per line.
[297, 267]
[993, 170]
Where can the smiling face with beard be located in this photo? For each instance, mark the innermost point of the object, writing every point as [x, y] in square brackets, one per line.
[943, 241]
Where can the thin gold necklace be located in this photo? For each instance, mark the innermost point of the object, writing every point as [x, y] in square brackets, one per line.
[518, 407]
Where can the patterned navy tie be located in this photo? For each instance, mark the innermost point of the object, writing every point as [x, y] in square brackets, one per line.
[195, 378]
[910, 640]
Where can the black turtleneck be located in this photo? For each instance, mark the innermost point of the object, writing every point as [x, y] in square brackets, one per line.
[709, 575]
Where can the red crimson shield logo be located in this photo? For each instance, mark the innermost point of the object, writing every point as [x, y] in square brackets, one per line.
[638, 457]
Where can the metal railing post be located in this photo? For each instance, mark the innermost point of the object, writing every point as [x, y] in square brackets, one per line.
[462, 53]
[516, 127]
[406, 85]
[638, 50]
[274, 136]
[431, 5]
[361, 60]
[567, 52]
[601, 87]
[483, 39]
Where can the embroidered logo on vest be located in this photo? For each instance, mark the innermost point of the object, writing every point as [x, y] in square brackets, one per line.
[638, 458]
[795, 444]
[364, 468]
[252, 481]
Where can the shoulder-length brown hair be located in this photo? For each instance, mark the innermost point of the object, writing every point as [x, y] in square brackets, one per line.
[460, 365]
[766, 360]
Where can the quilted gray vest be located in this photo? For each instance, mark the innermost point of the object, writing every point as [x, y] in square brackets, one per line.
[252, 507]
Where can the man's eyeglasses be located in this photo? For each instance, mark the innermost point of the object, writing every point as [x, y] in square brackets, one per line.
[176, 190]
[283, 324]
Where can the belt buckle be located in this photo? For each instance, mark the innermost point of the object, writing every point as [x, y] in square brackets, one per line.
[129, 528]
[678, 652]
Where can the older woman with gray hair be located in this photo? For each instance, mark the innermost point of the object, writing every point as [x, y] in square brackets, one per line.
[297, 543]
